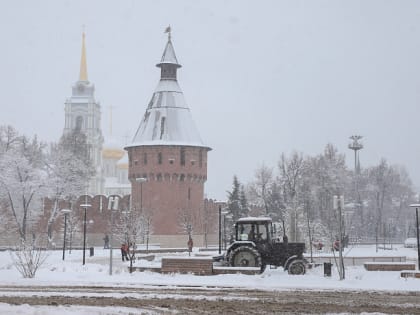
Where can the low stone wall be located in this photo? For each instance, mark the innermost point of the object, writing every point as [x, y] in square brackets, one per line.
[357, 260]
[197, 266]
[389, 266]
[408, 274]
[233, 270]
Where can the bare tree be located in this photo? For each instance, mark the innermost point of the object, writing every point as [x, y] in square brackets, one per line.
[291, 170]
[128, 227]
[28, 257]
[261, 186]
[186, 222]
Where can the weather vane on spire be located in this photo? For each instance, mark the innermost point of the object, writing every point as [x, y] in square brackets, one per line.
[168, 30]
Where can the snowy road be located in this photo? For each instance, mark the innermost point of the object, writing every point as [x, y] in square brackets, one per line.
[215, 300]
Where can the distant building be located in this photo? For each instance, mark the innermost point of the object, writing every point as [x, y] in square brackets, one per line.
[115, 169]
[83, 112]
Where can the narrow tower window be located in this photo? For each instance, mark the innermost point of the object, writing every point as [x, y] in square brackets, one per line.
[79, 123]
[160, 158]
[145, 158]
[162, 127]
[182, 153]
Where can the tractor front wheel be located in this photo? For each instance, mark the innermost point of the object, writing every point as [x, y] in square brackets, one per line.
[297, 267]
[245, 256]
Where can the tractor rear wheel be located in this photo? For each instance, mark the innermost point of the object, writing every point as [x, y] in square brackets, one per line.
[297, 267]
[245, 256]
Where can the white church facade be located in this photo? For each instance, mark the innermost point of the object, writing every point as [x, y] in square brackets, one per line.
[83, 113]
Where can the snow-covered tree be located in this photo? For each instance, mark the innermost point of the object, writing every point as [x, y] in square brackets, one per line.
[23, 179]
[290, 178]
[237, 204]
[29, 256]
[261, 187]
[128, 228]
[186, 222]
[389, 192]
[69, 169]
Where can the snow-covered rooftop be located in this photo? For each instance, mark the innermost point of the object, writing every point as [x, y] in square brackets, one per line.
[167, 120]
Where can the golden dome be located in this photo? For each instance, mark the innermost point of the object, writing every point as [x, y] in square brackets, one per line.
[123, 162]
[112, 153]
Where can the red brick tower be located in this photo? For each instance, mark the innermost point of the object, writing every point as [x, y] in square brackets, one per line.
[168, 162]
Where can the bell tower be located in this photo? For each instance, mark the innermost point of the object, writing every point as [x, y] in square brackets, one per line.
[83, 113]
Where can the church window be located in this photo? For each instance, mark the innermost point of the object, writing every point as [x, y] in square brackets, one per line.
[160, 158]
[144, 158]
[189, 193]
[182, 153]
[136, 162]
[79, 123]
[182, 177]
[159, 177]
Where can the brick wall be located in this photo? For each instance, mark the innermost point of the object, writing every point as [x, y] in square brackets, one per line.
[174, 187]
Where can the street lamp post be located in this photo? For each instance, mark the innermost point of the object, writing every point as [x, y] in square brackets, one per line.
[147, 233]
[417, 206]
[228, 217]
[65, 212]
[141, 180]
[113, 207]
[338, 203]
[220, 229]
[84, 206]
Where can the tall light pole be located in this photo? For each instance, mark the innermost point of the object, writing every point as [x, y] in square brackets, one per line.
[417, 206]
[141, 180]
[84, 206]
[65, 212]
[220, 229]
[338, 204]
[356, 146]
[113, 206]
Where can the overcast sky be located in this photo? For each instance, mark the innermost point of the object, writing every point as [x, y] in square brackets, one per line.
[260, 77]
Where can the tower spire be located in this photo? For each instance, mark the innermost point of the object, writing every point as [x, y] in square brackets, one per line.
[168, 63]
[83, 66]
[168, 30]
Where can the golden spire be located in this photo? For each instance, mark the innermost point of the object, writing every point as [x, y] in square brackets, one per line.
[83, 66]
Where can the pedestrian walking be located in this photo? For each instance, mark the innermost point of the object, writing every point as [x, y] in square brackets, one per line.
[106, 241]
[124, 252]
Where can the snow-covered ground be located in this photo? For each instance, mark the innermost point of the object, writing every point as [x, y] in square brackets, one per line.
[95, 272]
[55, 271]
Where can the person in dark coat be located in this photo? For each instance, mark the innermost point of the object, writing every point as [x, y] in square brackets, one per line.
[124, 252]
[106, 241]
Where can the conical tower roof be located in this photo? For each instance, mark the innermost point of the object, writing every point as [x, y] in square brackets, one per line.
[168, 120]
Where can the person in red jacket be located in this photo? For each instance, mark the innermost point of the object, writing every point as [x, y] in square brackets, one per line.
[124, 252]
